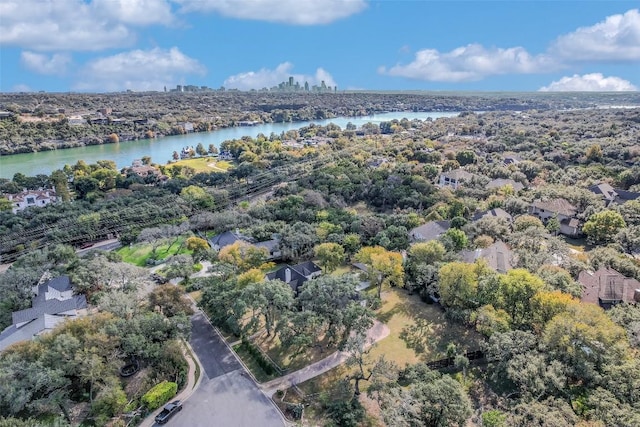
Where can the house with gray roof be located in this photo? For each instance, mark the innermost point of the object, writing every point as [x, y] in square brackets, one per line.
[273, 247]
[52, 304]
[498, 256]
[560, 209]
[493, 213]
[611, 195]
[227, 238]
[295, 276]
[501, 182]
[230, 237]
[432, 230]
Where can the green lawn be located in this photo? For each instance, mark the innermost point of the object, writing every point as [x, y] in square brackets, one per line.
[204, 164]
[419, 331]
[138, 254]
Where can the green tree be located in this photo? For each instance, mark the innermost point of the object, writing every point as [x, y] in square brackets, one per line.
[170, 300]
[269, 301]
[457, 238]
[458, 284]
[197, 197]
[517, 288]
[61, 185]
[430, 399]
[427, 252]
[5, 204]
[201, 150]
[330, 255]
[602, 227]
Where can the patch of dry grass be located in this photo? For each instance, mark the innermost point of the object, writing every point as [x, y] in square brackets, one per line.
[419, 331]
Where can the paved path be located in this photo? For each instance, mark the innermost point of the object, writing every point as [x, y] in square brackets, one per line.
[376, 333]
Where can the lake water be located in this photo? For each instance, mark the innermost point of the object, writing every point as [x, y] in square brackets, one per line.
[161, 149]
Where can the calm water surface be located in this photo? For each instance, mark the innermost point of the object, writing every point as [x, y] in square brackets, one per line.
[161, 149]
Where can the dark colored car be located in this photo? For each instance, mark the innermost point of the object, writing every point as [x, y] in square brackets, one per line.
[168, 411]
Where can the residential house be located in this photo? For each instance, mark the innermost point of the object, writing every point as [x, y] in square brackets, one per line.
[560, 209]
[432, 230]
[607, 287]
[76, 121]
[226, 239]
[226, 155]
[230, 237]
[187, 152]
[273, 248]
[295, 276]
[454, 178]
[31, 198]
[500, 183]
[493, 213]
[498, 256]
[52, 304]
[611, 195]
[510, 160]
[187, 127]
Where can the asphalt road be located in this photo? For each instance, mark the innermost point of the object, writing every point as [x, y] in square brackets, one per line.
[214, 355]
[227, 396]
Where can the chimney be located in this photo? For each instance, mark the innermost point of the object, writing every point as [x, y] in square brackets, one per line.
[636, 295]
[287, 275]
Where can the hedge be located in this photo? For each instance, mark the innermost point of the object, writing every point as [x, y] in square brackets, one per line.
[159, 394]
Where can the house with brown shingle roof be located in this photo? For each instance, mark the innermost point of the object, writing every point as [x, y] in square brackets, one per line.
[560, 209]
[607, 287]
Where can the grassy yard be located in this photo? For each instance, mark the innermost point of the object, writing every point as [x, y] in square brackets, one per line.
[282, 355]
[579, 245]
[204, 164]
[419, 331]
[138, 254]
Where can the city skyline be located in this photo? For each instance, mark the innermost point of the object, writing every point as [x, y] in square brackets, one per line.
[117, 45]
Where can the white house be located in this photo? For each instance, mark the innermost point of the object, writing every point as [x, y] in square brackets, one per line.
[454, 178]
[29, 198]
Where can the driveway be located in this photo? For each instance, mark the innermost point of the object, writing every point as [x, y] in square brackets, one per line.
[227, 396]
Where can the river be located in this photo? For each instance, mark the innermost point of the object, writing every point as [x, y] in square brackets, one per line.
[161, 149]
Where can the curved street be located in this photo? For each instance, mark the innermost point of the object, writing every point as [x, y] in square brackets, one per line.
[226, 396]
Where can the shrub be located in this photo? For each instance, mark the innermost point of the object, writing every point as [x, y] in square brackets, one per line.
[159, 395]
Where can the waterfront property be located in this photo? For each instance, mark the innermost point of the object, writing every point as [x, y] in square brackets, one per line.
[31, 198]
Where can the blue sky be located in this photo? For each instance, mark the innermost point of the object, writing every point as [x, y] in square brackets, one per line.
[113, 45]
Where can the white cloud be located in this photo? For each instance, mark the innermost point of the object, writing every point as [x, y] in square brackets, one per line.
[75, 25]
[138, 70]
[470, 63]
[135, 12]
[297, 12]
[617, 38]
[269, 78]
[43, 64]
[594, 82]
[21, 88]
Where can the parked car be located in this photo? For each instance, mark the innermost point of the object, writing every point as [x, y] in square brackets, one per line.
[168, 411]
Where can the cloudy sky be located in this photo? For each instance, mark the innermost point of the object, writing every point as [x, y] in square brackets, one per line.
[113, 45]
